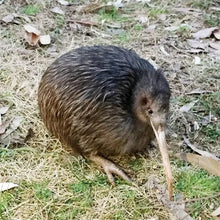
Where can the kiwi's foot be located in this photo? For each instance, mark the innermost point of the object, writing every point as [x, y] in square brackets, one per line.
[110, 168]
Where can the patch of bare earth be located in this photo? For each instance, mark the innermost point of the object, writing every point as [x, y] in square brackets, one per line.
[53, 184]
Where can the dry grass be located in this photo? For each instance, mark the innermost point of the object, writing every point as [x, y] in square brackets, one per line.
[52, 183]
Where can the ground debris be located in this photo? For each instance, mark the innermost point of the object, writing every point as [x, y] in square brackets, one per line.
[176, 210]
[207, 163]
[205, 33]
[201, 152]
[7, 186]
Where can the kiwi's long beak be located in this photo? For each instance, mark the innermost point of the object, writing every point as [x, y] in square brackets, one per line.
[161, 139]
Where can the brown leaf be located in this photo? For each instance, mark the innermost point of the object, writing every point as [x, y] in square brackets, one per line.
[217, 34]
[176, 210]
[204, 33]
[8, 19]
[215, 45]
[32, 35]
[207, 163]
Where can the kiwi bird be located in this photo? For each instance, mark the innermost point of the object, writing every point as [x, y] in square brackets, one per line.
[106, 100]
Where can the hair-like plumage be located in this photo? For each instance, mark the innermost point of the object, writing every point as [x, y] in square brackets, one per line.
[87, 99]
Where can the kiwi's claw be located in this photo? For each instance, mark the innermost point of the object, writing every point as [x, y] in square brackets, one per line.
[110, 168]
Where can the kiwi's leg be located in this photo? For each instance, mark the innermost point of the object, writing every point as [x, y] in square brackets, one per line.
[110, 168]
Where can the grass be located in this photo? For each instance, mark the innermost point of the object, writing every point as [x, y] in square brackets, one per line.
[154, 12]
[198, 184]
[110, 16]
[201, 4]
[211, 20]
[31, 9]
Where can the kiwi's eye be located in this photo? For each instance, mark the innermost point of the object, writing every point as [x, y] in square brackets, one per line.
[150, 112]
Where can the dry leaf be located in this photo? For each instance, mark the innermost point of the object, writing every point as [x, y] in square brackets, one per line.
[198, 91]
[204, 33]
[217, 34]
[197, 60]
[216, 212]
[187, 106]
[57, 10]
[3, 110]
[197, 44]
[63, 2]
[215, 45]
[7, 186]
[45, 39]
[32, 35]
[142, 19]
[9, 18]
[176, 210]
[196, 51]
[206, 163]
[201, 152]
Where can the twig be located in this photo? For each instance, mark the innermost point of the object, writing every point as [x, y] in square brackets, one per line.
[201, 152]
[86, 23]
[198, 199]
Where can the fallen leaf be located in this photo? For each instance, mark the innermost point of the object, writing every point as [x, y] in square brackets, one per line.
[206, 163]
[7, 186]
[215, 45]
[196, 51]
[175, 209]
[57, 10]
[198, 91]
[201, 152]
[197, 44]
[187, 107]
[204, 33]
[9, 18]
[3, 110]
[63, 2]
[32, 35]
[216, 212]
[217, 34]
[197, 60]
[45, 39]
